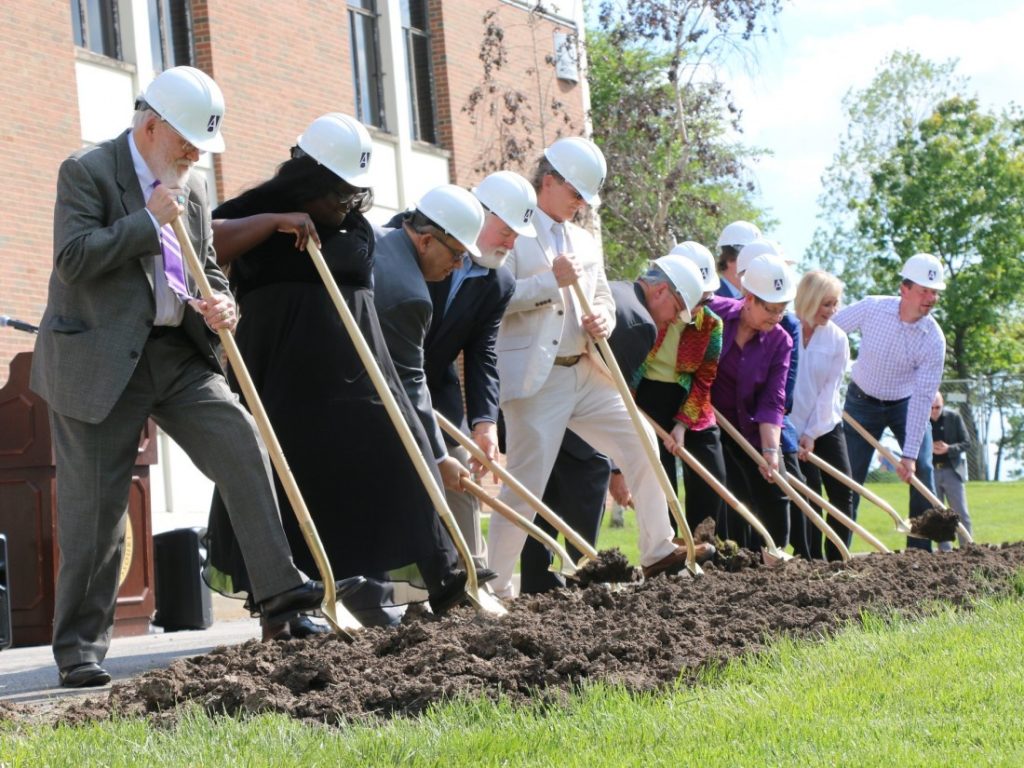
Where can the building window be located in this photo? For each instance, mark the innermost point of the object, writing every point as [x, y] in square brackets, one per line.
[95, 26]
[366, 74]
[170, 34]
[419, 70]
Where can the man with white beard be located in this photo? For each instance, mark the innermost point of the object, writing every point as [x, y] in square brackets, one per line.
[124, 338]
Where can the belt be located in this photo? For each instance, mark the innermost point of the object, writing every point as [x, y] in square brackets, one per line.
[568, 361]
[874, 400]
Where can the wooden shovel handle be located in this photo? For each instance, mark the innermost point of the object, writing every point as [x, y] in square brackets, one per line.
[901, 524]
[284, 472]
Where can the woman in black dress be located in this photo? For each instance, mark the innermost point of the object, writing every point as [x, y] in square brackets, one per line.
[369, 505]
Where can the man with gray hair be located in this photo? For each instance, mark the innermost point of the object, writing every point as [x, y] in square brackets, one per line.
[950, 443]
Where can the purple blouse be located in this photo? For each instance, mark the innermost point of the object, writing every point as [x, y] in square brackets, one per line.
[750, 388]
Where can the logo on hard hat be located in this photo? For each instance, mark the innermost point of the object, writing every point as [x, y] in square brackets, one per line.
[212, 123]
[364, 159]
[704, 272]
[778, 283]
[931, 274]
[527, 215]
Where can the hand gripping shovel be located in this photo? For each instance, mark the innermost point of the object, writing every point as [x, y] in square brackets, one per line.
[650, 449]
[902, 526]
[337, 616]
[562, 563]
[914, 479]
[571, 536]
[480, 599]
[772, 553]
[795, 497]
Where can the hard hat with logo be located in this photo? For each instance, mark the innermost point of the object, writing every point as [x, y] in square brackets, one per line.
[342, 145]
[685, 278]
[191, 103]
[770, 279]
[456, 211]
[924, 269]
[702, 259]
[759, 247]
[511, 198]
[581, 163]
[738, 234]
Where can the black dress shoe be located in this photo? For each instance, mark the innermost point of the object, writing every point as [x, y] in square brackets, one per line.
[302, 626]
[345, 587]
[85, 675]
[285, 606]
[451, 594]
[483, 575]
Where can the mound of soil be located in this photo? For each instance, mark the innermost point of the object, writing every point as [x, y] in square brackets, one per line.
[642, 636]
[936, 524]
[611, 566]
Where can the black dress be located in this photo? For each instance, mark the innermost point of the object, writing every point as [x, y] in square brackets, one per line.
[368, 504]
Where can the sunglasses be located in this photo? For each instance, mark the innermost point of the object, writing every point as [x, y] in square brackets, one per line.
[561, 180]
[349, 199]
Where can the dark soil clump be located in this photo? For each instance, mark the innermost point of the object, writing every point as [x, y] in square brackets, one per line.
[643, 636]
[936, 524]
[611, 566]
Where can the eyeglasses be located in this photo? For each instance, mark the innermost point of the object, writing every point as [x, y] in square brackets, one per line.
[350, 199]
[456, 255]
[562, 181]
[775, 310]
[187, 147]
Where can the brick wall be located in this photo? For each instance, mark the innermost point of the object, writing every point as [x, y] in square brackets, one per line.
[457, 31]
[280, 65]
[38, 128]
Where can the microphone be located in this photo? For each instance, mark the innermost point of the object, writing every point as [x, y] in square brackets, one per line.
[19, 325]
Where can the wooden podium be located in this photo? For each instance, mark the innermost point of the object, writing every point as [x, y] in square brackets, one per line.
[28, 515]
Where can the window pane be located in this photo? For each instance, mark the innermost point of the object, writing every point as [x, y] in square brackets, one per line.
[76, 23]
[365, 69]
[366, 5]
[156, 49]
[100, 28]
[178, 30]
[421, 88]
[414, 14]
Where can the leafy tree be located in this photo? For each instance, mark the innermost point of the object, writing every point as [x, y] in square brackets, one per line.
[662, 123]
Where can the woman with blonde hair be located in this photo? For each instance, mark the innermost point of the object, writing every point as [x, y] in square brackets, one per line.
[817, 409]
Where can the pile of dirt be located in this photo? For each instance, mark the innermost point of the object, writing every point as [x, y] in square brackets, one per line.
[611, 566]
[937, 524]
[642, 636]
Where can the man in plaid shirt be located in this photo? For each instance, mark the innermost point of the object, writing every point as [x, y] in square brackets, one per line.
[896, 374]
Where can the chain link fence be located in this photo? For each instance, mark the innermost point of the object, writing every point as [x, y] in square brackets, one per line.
[992, 408]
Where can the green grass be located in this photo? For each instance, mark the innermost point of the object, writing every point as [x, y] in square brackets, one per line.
[942, 691]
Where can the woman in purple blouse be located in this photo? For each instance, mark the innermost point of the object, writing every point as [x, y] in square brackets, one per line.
[750, 391]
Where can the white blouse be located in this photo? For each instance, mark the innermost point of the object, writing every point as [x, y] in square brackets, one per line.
[816, 404]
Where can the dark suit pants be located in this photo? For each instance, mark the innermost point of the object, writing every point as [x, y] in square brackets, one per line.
[194, 406]
[798, 522]
[765, 500]
[576, 491]
[830, 447]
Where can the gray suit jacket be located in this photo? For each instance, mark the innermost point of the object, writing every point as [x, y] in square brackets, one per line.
[404, 307]
[100, 307]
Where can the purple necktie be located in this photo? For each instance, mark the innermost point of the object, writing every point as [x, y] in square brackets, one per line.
[174, 269]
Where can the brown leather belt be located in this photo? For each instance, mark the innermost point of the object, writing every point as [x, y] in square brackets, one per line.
[568, 361]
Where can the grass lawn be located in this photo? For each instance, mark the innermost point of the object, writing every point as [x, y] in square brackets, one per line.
[943, 691]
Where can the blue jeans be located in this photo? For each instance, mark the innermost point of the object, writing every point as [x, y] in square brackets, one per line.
[875, 415]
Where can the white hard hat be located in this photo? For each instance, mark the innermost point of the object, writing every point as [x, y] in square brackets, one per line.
[702, 259]
[342, 145]
[685, 278]
[456, 211]
[924, 269]
[511, 198]
[759, 247]
[738, 234]
[581, 163]
[191, 103]
[770, 279]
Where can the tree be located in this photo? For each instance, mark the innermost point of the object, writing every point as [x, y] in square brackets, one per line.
[662, 123]
[950, 183]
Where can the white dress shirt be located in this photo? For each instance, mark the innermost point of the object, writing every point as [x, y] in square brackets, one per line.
[817, 408]
[896, 359]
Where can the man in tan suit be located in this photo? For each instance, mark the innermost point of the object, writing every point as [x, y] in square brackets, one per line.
[546, 363]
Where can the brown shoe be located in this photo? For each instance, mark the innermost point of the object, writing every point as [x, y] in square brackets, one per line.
[673, 562]
[703, 551]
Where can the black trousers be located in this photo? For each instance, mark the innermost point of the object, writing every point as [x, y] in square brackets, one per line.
[765, 500]
[661, 401]
[832, 448]
[799, 525]
[576, 491]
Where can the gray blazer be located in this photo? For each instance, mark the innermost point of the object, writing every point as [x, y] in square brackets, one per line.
[100, 308]
[404, 307]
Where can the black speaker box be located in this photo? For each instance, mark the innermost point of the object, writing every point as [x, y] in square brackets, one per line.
[182, 597]
[6, 635]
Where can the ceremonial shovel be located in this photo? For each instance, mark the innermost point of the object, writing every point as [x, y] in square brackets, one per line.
[914, 479]
[902, 526]
[337, 616]
[482, 600]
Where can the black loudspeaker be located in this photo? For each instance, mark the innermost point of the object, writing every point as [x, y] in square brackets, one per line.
[6, 636]
[182, 597]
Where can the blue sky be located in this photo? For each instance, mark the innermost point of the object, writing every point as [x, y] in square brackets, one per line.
[792, 97]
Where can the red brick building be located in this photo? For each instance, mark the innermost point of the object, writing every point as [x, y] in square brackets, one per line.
[408, 68]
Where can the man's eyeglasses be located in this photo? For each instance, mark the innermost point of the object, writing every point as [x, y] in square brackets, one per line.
[562, 180]
[456, 255]
[187, 147]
